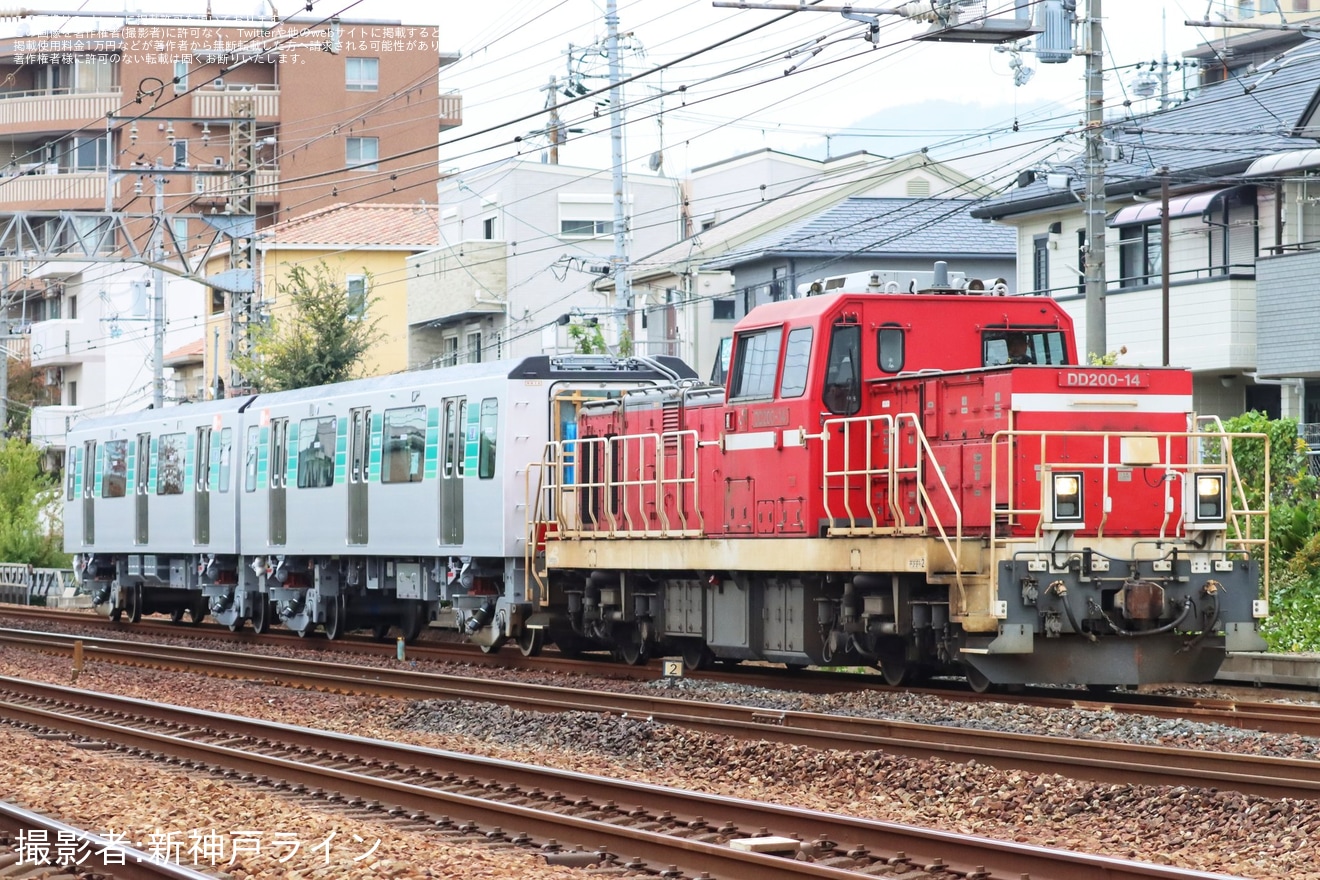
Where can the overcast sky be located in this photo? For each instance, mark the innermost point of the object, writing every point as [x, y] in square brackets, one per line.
[842, 94]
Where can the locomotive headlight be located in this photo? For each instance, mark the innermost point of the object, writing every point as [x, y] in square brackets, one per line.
[1067, 502]
[1210, 498]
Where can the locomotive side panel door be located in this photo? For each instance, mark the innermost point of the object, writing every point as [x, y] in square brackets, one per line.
[359, 443]
[141, 488]
[279, 469]
[202, 489]
[89, 492]
[453, 449]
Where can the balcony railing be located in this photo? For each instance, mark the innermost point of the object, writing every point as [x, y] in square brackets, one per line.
[74, 186]
[213, 103]
[451, 109]
[222, 185]
[36, 108]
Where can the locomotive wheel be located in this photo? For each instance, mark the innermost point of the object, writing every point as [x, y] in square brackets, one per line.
[176, 616]
[197, 614]
[118, 610]
[306, 630]
[411, 620]
[494, 648]
[696, 655]
[629, 645]
[977, 681]
[894, 666]
[237, 624]
[133, 603]
[336, 616]
[380, 631]
[261, 616]
[531, 641]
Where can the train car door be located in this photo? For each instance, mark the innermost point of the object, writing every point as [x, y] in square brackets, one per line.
[202, 489]
[141, 487]
[279, 479]
[359, 445]
[452, 468]
[89, 492]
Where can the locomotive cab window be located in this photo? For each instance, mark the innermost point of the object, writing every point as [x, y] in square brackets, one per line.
[405, 445]
[316, 455]
[114, 479]
[797, 357]
[1023, 347]
[842, 394]
[756, 361]
[170, 454]
[889, 349]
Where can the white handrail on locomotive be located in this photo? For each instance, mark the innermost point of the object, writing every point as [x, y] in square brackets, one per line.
[1236, 517]
[891, 474]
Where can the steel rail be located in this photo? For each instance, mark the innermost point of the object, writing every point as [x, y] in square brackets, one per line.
[110, 858]
[922, 846]
[1110, 762]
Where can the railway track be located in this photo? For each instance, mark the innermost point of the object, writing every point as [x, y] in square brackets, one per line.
[1302, 719]
[671, 832]
[85, 851]
[1110, 762]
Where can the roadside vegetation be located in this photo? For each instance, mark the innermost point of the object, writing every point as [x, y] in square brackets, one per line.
[30, 533]
[1294, 623]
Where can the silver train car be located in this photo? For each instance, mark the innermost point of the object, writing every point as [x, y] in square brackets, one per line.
[376, 503]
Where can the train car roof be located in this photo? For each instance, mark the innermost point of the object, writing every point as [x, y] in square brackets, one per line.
[815, 306]
[187, 410]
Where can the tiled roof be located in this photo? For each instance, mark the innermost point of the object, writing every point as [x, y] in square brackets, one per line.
[396, 226]
[1212, 136]
[191, 353]
[863, 225]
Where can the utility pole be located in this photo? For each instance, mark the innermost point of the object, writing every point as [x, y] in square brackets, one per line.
[553, 126]
[623, 298]
[1095, 183]
[158, 299]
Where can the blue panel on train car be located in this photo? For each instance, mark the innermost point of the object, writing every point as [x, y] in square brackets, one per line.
[213, 473]
[151, 472]
[189, 461]
[131, 473]
[100, 471]
[291, 447]
[77, 471]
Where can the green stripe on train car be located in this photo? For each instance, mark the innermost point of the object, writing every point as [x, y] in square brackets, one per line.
[130, 471]
[151, 472]
[100, 471]
[341, 450]
[75, 461]
[263, 456]
[377, 426]
[471, 434]
[189, 461]
[291, 447]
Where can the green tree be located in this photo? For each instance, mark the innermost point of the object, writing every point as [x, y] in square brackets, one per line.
[28, 508]
[26, 389]
[321, 336]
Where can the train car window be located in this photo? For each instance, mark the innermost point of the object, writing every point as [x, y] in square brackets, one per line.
[756, 360]
[490, 408]
[70, 468]
[250, 459]
[170, 454]
[220, 467]
[316, 453]
[405, 445]
[889, 349]
[114, 479]
[797, 357]
[842, 394]
[204, 476]
[463, 426]
[720, 371]
[451, 430]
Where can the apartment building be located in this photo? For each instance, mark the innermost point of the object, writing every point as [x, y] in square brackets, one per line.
[190, 120]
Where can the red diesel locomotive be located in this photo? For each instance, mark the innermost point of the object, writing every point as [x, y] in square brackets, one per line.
[928, 482]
